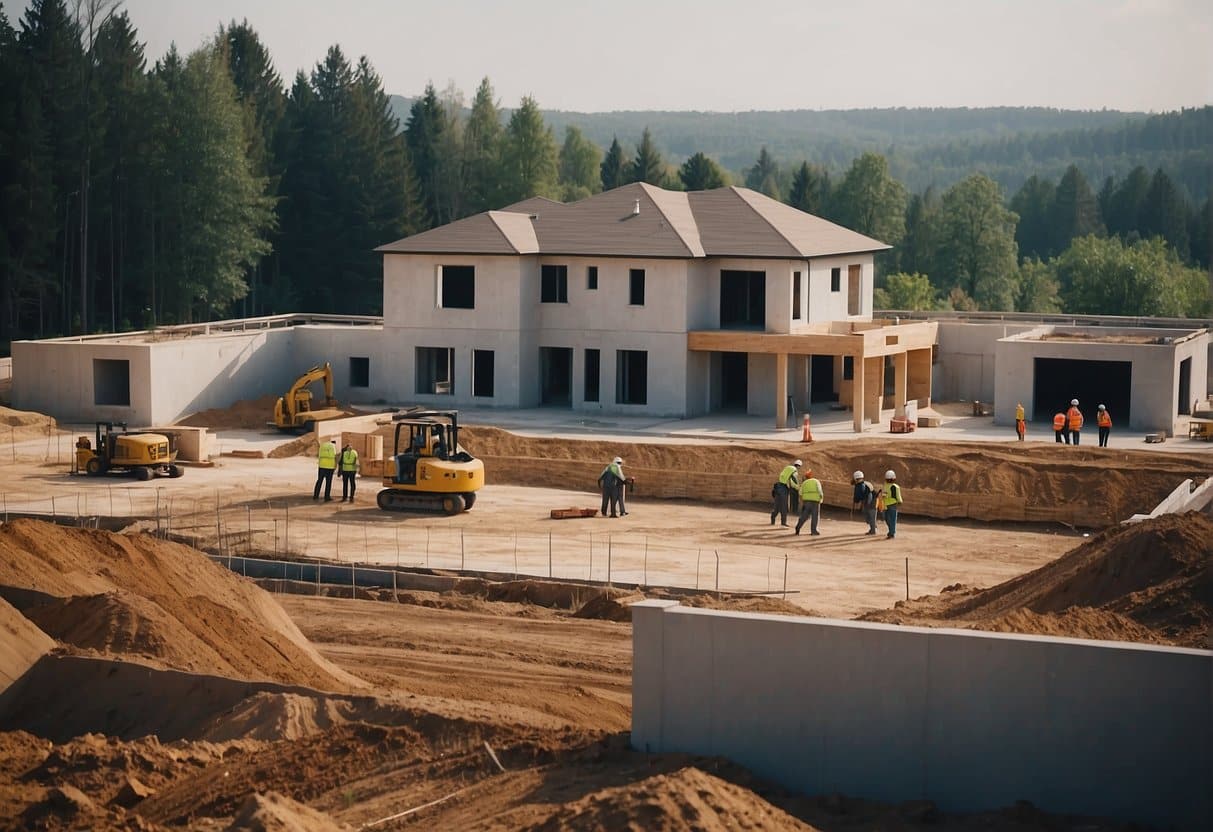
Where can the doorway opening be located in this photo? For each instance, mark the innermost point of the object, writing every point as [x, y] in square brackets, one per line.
[556, 376]
[734, 381]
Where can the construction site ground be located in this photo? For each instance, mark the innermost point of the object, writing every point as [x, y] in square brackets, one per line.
[467, 709]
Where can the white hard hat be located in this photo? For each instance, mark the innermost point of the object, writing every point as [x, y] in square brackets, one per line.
[858, 475]
[890, 475]
[798, 463]
[1074, 402]
[1101, 407]
[618, 460]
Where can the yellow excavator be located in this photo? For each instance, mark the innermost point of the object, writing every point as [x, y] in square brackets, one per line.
[296, 411]
[145, 455]
[428, 470]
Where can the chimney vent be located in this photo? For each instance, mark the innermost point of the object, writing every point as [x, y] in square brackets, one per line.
[636, 209]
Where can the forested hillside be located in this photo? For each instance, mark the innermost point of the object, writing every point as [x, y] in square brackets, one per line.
[137, 191]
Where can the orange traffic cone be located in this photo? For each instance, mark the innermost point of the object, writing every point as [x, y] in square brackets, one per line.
[807, 435]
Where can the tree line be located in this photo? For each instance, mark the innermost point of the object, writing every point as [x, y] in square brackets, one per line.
[202, 186]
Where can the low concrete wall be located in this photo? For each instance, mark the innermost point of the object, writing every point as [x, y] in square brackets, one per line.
[966, 719]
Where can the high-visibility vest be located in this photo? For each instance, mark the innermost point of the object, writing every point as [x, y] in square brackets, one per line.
[349, 460]
[1075, 418]
[327, 456]
[1059, 421]
[1019, 412]
[1104, 419]
[893, 495]
[810, 490]
[788, 475]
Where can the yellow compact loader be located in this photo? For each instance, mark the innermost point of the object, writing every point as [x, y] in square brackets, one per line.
[145, 455]
[428, 470]
[295, 411]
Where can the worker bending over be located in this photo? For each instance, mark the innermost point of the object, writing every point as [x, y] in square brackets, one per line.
[811, 496]
[864, 496]
[789, 480]
[610, 481]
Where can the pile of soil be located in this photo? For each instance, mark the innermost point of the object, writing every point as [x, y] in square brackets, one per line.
[138, 596]
[1034, 474]
[1148, 581]
[21, 644]
[246, 414]
[303, 446]
[273, 812]
[25, 424]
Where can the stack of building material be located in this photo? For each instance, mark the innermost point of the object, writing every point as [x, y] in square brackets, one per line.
[370, 451]
[901, 425]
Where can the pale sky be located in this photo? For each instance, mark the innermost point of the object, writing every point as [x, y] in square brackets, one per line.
[736, 55]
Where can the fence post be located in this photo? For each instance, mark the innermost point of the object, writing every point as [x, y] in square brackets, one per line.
[111, 490]
[286, 532]
[338, 516]
[462, 551]
[515, 554]
[248, 544]
[785, 576]
[646, 560]
[590, 577]
[397, 527]
[610, 549]
[717, 572]
[549, 552]
[427, 547]
[698, 555]
[907, 579]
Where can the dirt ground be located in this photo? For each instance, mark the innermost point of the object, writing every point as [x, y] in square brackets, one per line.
[146, 687]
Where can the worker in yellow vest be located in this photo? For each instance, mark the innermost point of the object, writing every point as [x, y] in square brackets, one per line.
[1104, 420]
[348, 465]
[891, 495]
[1021, 426]
[326, 463]
[811, 496]
[1074, 421]
[1059, 427]
[788, 482]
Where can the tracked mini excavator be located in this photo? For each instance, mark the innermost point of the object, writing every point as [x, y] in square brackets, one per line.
[295, 412]
[428, 470]
[145, 455]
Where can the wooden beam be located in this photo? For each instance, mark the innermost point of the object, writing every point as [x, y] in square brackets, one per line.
[857, 392]
[901, 365]
[773, 343]
[781, 391]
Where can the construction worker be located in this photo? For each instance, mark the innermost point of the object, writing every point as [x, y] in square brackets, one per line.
[326, 463]
[1104, 420]
[864, 496]
[811, 496]
[348, 465]
[610, 481]
[1021, 426]
[1074, 420]
[789, 481]
[1059, 427]
[892, 499]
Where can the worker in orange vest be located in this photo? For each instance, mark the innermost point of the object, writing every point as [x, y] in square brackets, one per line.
[1059, 427]
[1074, 418]
[1104, 420]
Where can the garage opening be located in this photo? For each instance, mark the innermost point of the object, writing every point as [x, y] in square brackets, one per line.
[1057, 380]
[112, 382]
[734, 380]
[821, 379]
[556, 376]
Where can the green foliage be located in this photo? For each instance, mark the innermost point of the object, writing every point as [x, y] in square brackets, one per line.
[906, 293]
[425, 137]
[699, 173]
[1104, 276]
[579, 163]
[919, 249]
[978, 243]
[615, 165]
[1033, 204]
[1074, 211]
[764, 175]
[482, 144]
[1164, 213]
[870, 201]
[810, 189]
[1036, 288]
[648, 166]
[528, 160]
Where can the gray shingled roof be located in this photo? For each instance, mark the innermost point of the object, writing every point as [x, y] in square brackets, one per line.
[726, 222]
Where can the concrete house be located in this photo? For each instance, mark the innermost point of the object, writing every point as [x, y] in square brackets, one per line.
[642, 300]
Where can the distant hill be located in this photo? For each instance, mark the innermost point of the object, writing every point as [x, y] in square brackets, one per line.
[925, 146]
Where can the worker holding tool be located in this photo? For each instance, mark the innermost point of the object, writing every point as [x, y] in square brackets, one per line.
[891, 494]
[610, 481]
[1021, 426]
[326, 463]
[864, 496]
[348, 464]
[1074, 420]
[788, 481]
[1104, 420]
[811, 496]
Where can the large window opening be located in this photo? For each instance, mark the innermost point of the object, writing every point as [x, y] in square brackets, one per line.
[112, 382]
[835, 279]
[636, 287]
[591, 278]
[593, 372]
[1185, 387]
[457, 287]
[1057, 380]
[795, 296]
[743, 300]
[360, 372]
[821, 379]
[482, 373]
[631, 377]
[554, 284]
[435, 374]
[556, 376]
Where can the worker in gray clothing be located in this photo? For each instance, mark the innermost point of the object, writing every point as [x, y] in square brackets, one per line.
[864, 496]
[788, 481]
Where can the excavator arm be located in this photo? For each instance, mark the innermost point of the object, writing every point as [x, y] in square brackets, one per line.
[298, 398]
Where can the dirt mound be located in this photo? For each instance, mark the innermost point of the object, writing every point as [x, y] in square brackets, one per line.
[303, 446]
[272, 812]
[688, 799]
[610, 606]
[27, 419]
[245, 414]
[21, 644]
[1148, 581]
[156, 599]
[759, 603]
[277, 716]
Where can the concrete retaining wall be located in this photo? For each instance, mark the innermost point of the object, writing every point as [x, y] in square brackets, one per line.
[966, 719]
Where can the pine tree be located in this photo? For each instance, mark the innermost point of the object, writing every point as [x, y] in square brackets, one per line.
[764, 175]
[919, 249]
[1122, 212]
[1075, 212]
[648, 166]
[579, 164]
[870, 201]
[529, 156]
[424, 138]
[614, 166]
[810, 189]
[701, 173]
[482, 137]
[1164, 213]
[1033, 202]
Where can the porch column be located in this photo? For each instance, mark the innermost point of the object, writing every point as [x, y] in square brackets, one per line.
[901, 364]
[874, 386]
[781, 391]
[918, 381]
[857, 391]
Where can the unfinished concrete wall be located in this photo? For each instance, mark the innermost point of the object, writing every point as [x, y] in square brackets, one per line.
[57, 378]
[968, 720]
[965, 367]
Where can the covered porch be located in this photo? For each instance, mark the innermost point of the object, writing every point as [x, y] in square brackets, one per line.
[859, 352]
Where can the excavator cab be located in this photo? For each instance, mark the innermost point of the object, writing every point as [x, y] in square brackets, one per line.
[294, 411]
[429, 470]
